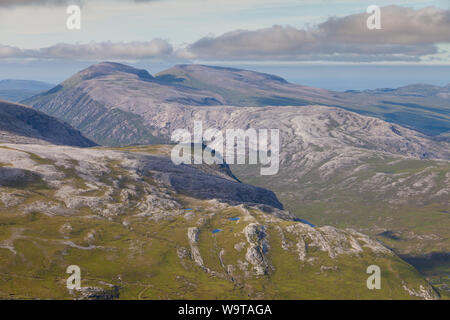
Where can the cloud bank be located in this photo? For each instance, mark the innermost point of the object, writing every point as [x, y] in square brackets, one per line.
[156, 48]
[406, 35]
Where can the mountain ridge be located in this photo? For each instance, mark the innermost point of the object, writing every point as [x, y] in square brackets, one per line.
[15, 90]
[202, 85]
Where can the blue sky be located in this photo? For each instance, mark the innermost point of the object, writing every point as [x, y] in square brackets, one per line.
[34, 38]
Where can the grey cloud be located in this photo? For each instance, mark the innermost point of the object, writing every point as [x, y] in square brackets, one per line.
[406, 34]
[108, 50]
[8, 51]
[400, 25]
[156, 48]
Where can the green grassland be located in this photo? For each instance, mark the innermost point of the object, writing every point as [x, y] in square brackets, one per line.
[142, 262]
[140, 259]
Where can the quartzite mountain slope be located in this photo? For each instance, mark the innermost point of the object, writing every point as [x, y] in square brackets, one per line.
[199, 85]
[424, 108]
[114, 104]
[119, 216]
[83, 101]
[21, 124]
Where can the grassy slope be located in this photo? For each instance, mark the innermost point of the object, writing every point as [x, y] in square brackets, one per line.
[146, 260]
[141, 259]
[421, 227]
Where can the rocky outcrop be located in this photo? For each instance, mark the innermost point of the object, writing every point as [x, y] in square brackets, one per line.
[258, 248]
[425, 293]
[195, 253]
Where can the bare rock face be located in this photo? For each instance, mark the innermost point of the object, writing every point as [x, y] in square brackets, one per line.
[258, 247]
[195, 253]
[318, 129]
[423, 292]
[154, 175]
[97, 293]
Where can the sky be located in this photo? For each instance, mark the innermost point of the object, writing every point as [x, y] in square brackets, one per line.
[320, 43]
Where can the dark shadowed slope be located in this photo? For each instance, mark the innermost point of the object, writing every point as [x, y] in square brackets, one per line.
[21, 124]
[191, 181]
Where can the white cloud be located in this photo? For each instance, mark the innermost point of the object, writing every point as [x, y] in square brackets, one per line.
[107, 50]
[9, 51]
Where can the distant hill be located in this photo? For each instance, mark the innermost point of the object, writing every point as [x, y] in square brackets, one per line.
[21, 124]
[414, 90]
[16, 90]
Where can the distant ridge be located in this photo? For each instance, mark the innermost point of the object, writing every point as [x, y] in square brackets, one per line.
[16, 90]
[412, 90]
